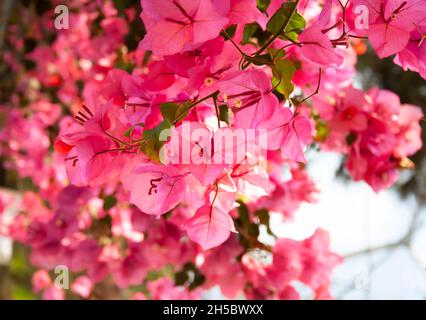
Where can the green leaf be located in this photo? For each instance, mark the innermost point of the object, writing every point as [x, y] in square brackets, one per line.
[294, 26]
[181, 278]
[262, 5]
[189, 273]
[22, 292]
[154, 133]
[283, 72]
[175, 112]
[276, 54]
[224, 113]
[109, 202]
[199, 279]
[230, 31]
[168, 110]
[123, 4]
[152, 143]
[128, 133]
[123, 63]
[249, 30]
[277, 20]
[322, 131]
[153, 275]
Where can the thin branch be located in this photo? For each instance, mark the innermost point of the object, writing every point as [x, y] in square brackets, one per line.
[283, 27]
[316, 90]
[216, 107]
[373, 249]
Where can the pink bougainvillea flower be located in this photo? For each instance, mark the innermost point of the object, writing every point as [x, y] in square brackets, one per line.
[209, 227]
[86, 213]
[175, 26]
[391, 22]
[82, 286]
[318, 260]
[128, 269]
[409, 138]
[413, 56]
[41, 280]
[238, 11]
[92, 159]
[249, 95]
[221, 267]
[318, 49]
[381, 174]
[181, 63]
[214, 68]
[123, 225]
[288, 132]
[251, 179]
[191, 147]
[310, 261]
[275, 127]
[119, 86]
[160, 77]
[53, 293]
[156, 189]
[165, 289]
[288, 195]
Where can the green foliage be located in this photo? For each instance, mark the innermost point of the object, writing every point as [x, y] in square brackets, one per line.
[124, 4]
[155, 138]
[21, 272]
[128, 132]
[286, 22]
[249, 228]
[262, 5]
[322, 131]
[283, 72]
[22, 292]
[249, 30]
[166, 271]
[230, 31]
[152, 144]
[122, 63]
[190, 275]
[109, 202]
[224, 113]
[174, 112]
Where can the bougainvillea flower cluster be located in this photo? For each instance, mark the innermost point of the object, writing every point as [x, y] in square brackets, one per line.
[156, 141]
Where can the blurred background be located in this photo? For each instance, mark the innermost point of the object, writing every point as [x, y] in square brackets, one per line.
[382, 236]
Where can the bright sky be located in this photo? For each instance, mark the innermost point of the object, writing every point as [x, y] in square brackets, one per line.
[357, 219]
